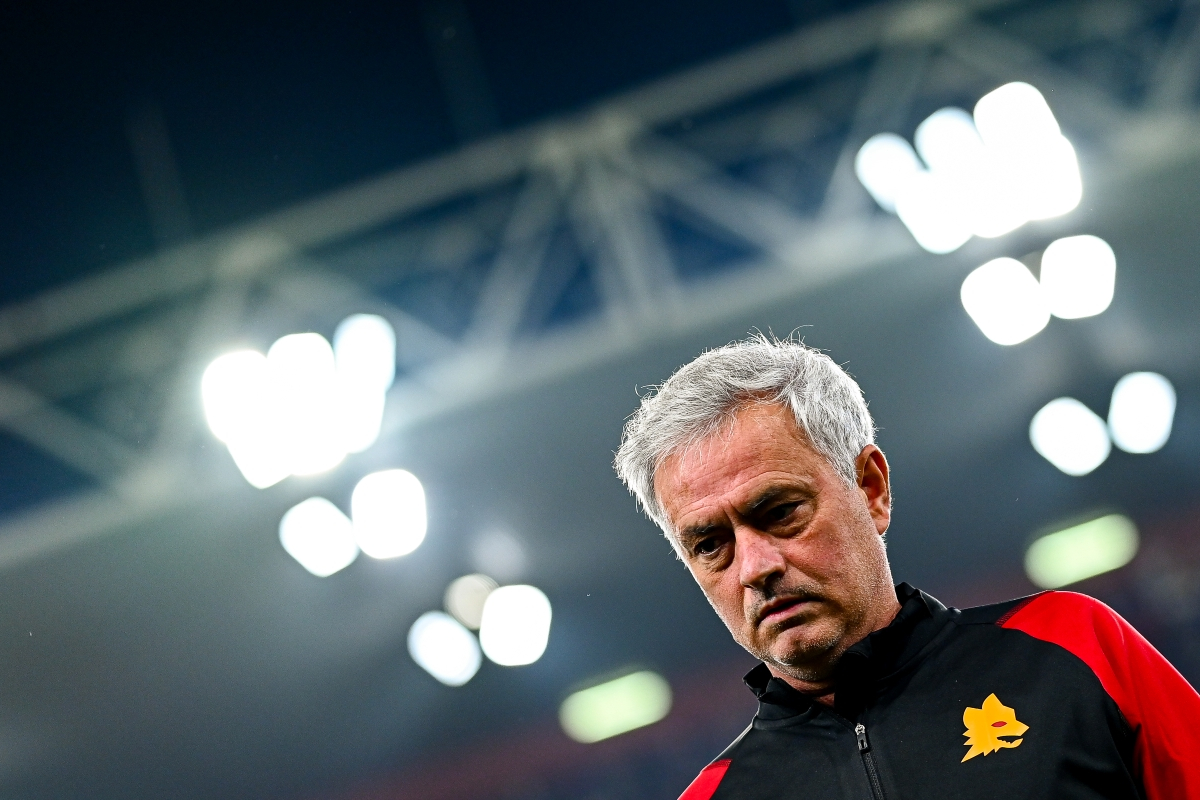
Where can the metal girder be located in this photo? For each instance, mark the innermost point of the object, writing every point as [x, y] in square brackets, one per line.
[601, 180]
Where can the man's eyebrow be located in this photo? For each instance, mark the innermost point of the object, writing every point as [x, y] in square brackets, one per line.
[694, 532]
[768, 496]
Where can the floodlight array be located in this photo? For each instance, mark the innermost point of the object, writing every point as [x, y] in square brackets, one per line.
[985, 174]
[1076, 440]
[306, 404]
[513, 624]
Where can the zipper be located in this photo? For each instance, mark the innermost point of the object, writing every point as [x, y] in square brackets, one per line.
[864, 749]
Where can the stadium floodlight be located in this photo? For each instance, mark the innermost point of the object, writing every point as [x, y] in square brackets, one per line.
[615, 707]
[1081, 551]
[388, 509]
[1142, 412]
[444, 648]
[987, 174]
[303, 375]
[1078, 276]
[319, 536]
[515, 625]
[932, 209]
[304, 406]
[1005, 301]
[885, 165]
[364, 347]
[465, 597]
[1070, 436]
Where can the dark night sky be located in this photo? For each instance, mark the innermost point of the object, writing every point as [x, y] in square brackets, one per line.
[268, 104]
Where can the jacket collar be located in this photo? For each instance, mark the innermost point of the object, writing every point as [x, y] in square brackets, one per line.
[862, 666]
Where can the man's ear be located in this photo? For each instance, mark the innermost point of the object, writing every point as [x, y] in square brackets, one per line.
[874, 485]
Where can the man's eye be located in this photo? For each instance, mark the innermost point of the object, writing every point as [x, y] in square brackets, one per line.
[781, 512]
[706, 546]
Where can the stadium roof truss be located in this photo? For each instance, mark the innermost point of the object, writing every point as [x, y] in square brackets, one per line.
[524, 257]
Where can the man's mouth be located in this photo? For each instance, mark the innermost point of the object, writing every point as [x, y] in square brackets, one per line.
[780, 608]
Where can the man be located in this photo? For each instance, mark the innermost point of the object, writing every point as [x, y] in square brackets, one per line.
[758, 461]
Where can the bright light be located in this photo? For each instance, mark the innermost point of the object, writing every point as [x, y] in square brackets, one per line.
[615, 707]
[365, 350]
[1005, 300]
[465, 597]
[1142, 412]
[444, 648]
[515, 625]
[885, 164]
[948, 142]
[300, 409]
[303, 375]
[238, 404]
[1068, 435]
[1082, 551]
[1015, 114]
[932, 208]
[987, 175]
[319, 536]
[388, 509]
[1078, 276]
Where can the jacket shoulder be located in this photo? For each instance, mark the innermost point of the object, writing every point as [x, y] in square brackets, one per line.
[995, 613]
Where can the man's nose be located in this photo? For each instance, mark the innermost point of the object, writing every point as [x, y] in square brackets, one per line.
[760, 558]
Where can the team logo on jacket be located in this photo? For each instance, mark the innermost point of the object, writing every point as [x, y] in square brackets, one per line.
[991, 728]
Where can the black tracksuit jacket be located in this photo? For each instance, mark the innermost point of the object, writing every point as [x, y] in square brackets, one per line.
[1051, 696]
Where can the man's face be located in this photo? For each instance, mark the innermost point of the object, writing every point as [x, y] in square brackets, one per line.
[791, 558]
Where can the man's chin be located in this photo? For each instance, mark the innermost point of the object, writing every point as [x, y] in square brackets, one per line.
[804, 648]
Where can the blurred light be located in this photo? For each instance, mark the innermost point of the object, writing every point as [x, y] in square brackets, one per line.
[388, 509]
[1142, 412]
[987, 175]
[933, 211]
[1050, 178]
[616, 707]
[1068, 435]
[515, 625]
[1005, 300]
[465, 597]
[948, 142]
[319, 536]
[303, 376]
[238, 404]
[885, 164]
[1015, 114]
[1082, 551]
[444, 648]
[300, 409]
[364, 346]
[1078, 276]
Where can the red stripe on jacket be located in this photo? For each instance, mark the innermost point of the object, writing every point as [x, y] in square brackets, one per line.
[706, 782]
[1158, 703]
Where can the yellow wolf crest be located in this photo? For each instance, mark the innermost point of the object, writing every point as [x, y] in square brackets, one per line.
[988, 727]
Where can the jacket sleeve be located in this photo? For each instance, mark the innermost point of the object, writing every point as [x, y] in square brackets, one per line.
[1158, 703]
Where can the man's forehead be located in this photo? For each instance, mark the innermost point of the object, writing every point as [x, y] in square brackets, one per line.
[761, 446]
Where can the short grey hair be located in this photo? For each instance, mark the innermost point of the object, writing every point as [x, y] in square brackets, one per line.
[705, 394]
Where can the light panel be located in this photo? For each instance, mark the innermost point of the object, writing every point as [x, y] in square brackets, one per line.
[388, 509]
[1078, 275]
[1070, 436]
[465, 597]
[444, 648]
[1081, 551]
[515, 625]
[1005, 301]
[1142, 412]
[319, 536]
[616, 707]
[885, 164]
